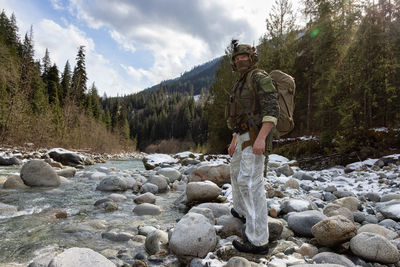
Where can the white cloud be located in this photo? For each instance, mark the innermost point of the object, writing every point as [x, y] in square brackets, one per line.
[180, 34]
[57, 4]
[63, 44]
[122, 41]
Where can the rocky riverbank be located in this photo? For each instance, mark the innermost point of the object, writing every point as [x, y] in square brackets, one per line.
[178, 212]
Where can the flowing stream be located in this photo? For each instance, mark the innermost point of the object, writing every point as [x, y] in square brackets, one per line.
[33, 232]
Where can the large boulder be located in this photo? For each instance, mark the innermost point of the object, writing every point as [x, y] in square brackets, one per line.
[153, 160]
[66, 157]
[374, 247]
[4, 161]
[275, 228]
[80, 257]
[149, 188]
[390, 209]
[219, 174]
[334, 209]
[171, 173]
[14, 182]
[296, 205]
[112, 184]
[230, 226]
[205, 212]
[193, 237]
[160, 181]
[302, 222]
[202, 191]
[377, 229]
[351, 203]
[334, 230]
[218, 209]
[39, 173]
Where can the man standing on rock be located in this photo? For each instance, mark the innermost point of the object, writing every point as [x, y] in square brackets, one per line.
[252, 113]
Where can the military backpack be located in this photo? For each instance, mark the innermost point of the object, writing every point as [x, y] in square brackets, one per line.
[286, 88]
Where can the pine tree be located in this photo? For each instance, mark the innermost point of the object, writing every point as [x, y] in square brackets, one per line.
[53, 83]
[79, 79]
[65, 88]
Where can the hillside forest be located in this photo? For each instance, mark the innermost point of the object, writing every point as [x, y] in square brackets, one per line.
[344, 55]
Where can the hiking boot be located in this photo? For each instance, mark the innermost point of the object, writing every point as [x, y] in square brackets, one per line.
[250, 248]
[237, 215]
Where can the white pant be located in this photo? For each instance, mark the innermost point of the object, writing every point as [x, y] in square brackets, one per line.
[248, 191]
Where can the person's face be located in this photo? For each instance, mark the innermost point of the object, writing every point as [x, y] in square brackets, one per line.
[242, 62]
[241, 57]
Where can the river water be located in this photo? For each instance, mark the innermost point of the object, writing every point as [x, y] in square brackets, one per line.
[33, 232]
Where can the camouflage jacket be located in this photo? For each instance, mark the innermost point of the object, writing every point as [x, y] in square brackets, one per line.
[266, 106]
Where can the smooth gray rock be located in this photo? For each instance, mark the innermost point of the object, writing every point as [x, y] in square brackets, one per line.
[389, 223]
[149, 187]
[334, 209]
[112, 184]
[192, 237]
[205, 212]
[388, 197]
[230, 226]
[219, 174]
[80, 257]
[330, 257]
[302, 222]
[131, 183]
[117, 197]
[156, 241]
[334, 230]
[145, 198]
[66, 157]
[14, 182]
[390, 209]
[217, 209]
[285, 170]
[295, 205]
[145, 230]
[4, 161]
[147, 209]
[374, 247]
[372, 196]
[161, 182]
[189, 161]
[377, 229]
[238, 262]
[117, 237]
[171, 173]
[202, 191]
[39, 173]
[348, 202]
[359, 216]
[67, 172]
[275, 229]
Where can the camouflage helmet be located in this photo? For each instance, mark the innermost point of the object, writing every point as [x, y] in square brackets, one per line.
[238, 49]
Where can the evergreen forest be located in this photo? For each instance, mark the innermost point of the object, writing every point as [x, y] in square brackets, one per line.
[344, 56]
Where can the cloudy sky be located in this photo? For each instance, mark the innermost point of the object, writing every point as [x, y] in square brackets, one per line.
[134, 44]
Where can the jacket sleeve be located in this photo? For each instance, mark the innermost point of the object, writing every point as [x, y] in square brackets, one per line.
[268, 96]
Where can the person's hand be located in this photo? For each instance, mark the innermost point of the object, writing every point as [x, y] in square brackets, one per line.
[259, 146]
[231, 148]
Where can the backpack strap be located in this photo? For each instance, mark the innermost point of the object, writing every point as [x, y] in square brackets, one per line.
[250, 86]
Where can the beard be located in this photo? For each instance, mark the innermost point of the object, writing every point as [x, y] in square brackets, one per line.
[242, 65]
